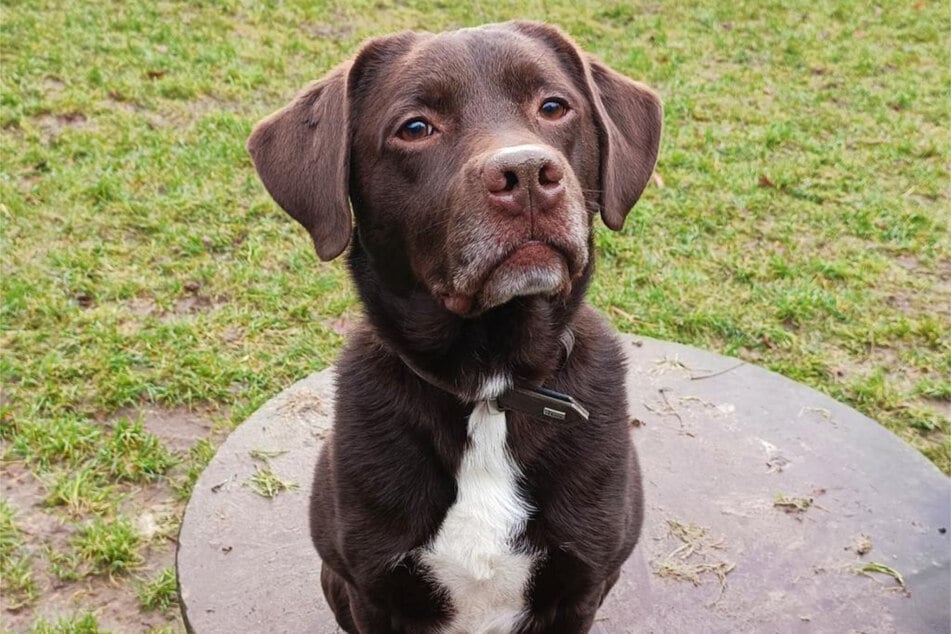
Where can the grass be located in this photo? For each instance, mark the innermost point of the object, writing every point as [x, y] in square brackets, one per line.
[802, 223]
[109, 546]
[268, 484]
[883, 569]
[198, 458]
[133, 455]
[696, 554]
[16, 579]
[85, 623]
[160, 592]
[791, 504]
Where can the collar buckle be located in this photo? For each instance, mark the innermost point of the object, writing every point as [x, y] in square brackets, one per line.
[544, 404]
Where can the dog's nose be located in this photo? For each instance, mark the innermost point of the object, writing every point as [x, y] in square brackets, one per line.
[522, 178]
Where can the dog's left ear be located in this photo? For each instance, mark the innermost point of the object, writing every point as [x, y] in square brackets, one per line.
[631, 121]
[629, 117]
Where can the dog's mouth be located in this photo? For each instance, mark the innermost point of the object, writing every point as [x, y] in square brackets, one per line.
[530, 268]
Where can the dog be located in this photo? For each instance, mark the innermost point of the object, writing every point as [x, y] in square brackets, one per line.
[480, 477]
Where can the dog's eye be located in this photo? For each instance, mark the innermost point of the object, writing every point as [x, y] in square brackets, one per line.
[416, 129]
[553, 109]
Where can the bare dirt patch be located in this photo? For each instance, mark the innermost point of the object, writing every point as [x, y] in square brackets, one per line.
[154, 508]
[112, 600]
[142, 306]
[194, 304]
[25, 493]
[53, 125]
[53, 88]
[178, 428]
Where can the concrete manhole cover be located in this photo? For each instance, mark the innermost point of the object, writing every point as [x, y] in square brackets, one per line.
[769, 508]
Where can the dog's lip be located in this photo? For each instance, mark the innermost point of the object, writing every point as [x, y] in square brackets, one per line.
[526, 250]
[532, 252]
[516, 252]
[526, 254]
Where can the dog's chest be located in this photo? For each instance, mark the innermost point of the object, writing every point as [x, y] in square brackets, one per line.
[473, 557]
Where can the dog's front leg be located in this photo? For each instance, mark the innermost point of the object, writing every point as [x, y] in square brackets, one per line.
[370, 618]
[355, 613]
[575, 619]
[336, 592]
[573, 614]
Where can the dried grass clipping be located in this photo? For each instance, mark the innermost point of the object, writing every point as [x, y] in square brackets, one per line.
[697, 555]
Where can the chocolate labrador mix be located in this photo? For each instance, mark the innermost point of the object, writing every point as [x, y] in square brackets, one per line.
[481, 476]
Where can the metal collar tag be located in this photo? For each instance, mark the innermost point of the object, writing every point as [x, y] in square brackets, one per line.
[543, 403]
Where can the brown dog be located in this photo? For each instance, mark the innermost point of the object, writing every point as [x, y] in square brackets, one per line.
[455, 496]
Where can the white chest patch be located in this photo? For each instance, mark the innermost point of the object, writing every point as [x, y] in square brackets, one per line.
[472, 556]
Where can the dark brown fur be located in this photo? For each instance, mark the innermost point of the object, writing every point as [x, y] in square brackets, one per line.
[428, 242]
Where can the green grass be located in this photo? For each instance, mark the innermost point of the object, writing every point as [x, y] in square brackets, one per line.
[802, 223]
[109, 546]
[160, 592]
[85, 623]
[131, 454]
[268, 484]
[16, 565]
[198, 458]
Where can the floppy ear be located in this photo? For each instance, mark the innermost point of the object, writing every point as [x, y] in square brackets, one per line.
[302, 155]
[631, 119]
[628, 115]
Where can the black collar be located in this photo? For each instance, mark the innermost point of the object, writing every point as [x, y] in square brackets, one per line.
[537, 402]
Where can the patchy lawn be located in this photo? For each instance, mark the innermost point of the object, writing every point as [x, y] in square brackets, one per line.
[153, 296]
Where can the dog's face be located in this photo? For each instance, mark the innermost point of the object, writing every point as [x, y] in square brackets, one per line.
[475, 160]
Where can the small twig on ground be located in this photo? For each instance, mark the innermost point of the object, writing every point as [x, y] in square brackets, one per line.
[673, 411]
[700, 377]
[626, 315]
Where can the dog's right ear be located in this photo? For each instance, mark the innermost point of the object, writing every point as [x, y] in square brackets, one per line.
[302, 154]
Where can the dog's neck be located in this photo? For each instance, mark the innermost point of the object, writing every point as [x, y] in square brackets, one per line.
[520, 343]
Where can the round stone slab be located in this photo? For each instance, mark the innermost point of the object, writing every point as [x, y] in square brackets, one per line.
[769, 508]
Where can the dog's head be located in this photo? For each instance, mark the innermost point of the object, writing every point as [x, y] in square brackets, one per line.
[475, 160]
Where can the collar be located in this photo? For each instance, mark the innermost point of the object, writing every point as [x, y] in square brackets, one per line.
[542, 403]
[537, 402]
